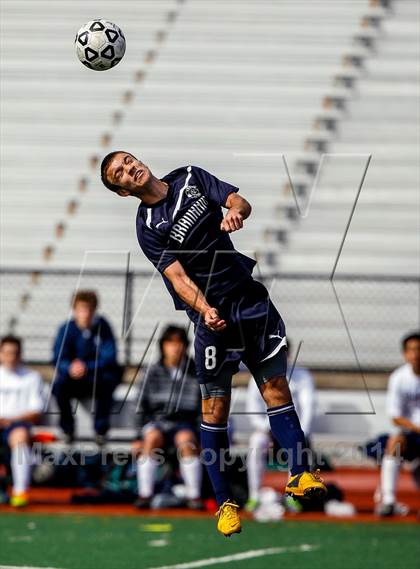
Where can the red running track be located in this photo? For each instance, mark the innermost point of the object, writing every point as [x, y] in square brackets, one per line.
[358, 486]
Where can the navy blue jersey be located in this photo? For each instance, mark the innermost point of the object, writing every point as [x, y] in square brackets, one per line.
[185, 226]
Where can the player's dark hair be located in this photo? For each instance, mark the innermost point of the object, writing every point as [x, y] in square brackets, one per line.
[408, 337]
[88, 296]
[10, 339]
[104, 167]
[168, 334]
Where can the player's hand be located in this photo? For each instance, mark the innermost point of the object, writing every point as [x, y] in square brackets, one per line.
[77, 369]
[213, 321]
[233, 221]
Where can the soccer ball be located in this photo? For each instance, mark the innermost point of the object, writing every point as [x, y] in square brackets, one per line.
[100, 45]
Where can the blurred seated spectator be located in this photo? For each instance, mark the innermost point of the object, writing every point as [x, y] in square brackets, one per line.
[403, 404]
[21, 405]
[302, 388]
[169, 411]
[85, 357]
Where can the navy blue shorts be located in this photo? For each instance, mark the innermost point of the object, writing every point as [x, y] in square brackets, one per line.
[412, 449]
[255, 334]
[4, 433]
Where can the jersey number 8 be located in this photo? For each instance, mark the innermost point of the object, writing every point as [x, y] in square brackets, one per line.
[210, 353]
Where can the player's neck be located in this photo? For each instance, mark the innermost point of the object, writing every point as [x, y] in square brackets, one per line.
[155, 192]
[11, 368]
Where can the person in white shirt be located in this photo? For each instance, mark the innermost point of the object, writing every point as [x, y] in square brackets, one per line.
[21, 405]
[403, 406]
[302, 387]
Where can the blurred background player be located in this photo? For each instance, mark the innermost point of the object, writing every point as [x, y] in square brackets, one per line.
[85, 357]
[21, 405]
[169, 416]
[302, 388]
[403, 403]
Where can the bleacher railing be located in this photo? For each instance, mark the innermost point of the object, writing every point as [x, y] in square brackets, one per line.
[355, 322]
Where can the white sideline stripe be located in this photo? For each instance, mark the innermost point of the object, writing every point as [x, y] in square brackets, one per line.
[252, 553]
[181, 192]
[24, 567]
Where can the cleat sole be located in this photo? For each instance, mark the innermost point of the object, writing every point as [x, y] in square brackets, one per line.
[310, 494]
[230, 534]
[314, 493]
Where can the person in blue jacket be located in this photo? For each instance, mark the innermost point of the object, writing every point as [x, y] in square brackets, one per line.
[85, 359]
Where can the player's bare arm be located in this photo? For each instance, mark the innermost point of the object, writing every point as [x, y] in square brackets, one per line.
[239, 210]
[406, 424]
[189, 292]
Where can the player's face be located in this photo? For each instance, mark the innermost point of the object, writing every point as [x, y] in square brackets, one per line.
[128, 173]
[9, 355]
[83, 314]
[412, 354]
[173, 351]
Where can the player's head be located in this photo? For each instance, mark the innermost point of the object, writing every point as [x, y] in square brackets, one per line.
[124, 174]
[84, 304]
[411, 349]
[173, 345]
[10, 351]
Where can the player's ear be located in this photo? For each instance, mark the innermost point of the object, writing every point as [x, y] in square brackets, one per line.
[123, 193]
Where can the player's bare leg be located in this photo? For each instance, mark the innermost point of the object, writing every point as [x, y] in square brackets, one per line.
[215, 444]
[276, 392]
[216, 409]
[286, 429]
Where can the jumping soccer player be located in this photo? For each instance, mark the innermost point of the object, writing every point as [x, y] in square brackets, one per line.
[182, 231]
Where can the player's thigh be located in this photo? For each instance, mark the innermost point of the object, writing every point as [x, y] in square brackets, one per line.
[412, 446]
[215, 362]
[215, 370]
[268, 365]
[264, 333]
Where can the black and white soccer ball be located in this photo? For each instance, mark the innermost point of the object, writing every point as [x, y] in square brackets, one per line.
[100, 45]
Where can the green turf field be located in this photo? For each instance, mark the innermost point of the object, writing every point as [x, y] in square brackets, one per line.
[93, 542]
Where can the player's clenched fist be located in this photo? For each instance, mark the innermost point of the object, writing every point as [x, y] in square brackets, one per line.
[232, 221]
[213, 321]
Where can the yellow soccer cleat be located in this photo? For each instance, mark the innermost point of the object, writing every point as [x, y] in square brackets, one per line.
[306, 485]
[229, 521]
[19, 500]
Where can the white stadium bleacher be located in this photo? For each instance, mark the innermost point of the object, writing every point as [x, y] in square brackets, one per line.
[232, 87]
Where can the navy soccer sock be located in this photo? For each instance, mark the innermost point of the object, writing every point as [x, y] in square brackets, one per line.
[286, 429]
[215, 447]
